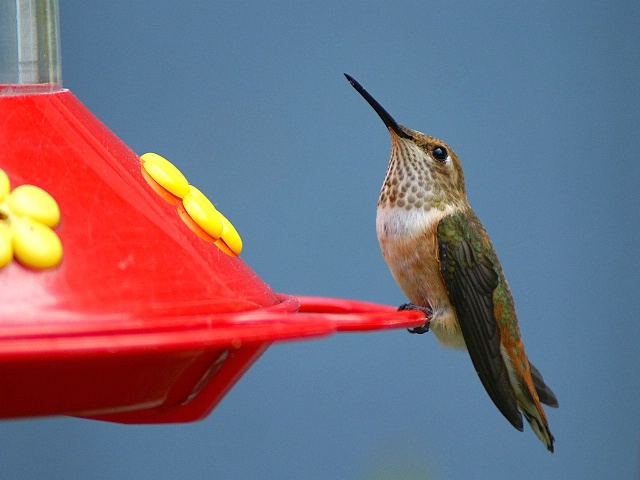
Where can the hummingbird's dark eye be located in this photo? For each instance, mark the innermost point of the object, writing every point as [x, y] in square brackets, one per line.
[440, 153]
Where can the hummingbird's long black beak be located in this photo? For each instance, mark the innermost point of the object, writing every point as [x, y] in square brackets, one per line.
[384, 115]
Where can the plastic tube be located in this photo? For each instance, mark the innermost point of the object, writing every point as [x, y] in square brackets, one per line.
[29, 47]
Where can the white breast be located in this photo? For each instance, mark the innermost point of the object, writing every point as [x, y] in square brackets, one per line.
[395, 221]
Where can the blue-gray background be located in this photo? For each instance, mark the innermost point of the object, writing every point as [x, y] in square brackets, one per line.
[541, 103]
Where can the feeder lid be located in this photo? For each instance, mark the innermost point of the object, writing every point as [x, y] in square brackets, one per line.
[126, 251]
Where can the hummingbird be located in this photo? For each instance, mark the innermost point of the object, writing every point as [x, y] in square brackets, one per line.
[441, 257]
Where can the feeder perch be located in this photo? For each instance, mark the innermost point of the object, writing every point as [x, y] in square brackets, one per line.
[122, 294]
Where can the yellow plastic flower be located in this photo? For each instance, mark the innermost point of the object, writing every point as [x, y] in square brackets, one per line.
[210, 223]
[27, 216]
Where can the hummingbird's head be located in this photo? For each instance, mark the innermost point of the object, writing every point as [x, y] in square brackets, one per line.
[423, 171]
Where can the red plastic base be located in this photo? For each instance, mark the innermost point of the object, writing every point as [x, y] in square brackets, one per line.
[143, 321]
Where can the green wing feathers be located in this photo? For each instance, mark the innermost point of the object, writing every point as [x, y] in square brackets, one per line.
[470, 278]
[484, 308]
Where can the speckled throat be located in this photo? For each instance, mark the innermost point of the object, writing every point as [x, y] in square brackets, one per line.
[410, 182]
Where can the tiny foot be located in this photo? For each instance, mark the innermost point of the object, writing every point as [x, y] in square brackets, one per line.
[426, 310]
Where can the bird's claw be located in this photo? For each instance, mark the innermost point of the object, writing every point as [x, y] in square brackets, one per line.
[426, 310]
[419, 330]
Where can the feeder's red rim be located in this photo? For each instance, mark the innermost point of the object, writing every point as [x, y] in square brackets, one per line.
[357, 316]
[291, 318]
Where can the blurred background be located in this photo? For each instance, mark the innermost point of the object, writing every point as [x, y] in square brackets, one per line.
[541, 103]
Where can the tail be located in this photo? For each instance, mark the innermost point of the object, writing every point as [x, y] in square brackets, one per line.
[529, 405]
[538, 422]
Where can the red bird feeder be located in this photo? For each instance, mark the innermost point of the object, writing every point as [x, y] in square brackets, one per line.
[123, 297]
